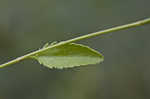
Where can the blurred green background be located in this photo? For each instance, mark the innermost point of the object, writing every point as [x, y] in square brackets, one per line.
[26, 25]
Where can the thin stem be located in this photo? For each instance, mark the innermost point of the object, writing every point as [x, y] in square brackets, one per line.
[123, 27]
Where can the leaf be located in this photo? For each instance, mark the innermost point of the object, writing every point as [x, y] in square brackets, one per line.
[47, 44]
[68, 55]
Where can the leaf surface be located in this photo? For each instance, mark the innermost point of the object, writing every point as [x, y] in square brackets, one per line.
[68, 55]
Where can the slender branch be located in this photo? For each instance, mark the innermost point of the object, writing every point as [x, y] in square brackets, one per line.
[123, 27]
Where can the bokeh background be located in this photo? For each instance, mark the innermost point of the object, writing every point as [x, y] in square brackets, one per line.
[26, 25]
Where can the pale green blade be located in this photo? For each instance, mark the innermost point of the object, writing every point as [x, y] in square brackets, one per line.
[68, 55]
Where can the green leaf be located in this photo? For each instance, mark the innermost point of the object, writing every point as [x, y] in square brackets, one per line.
[68, 55]
[47, 44]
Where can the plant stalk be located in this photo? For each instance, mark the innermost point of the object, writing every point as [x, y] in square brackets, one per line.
[117, 28]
